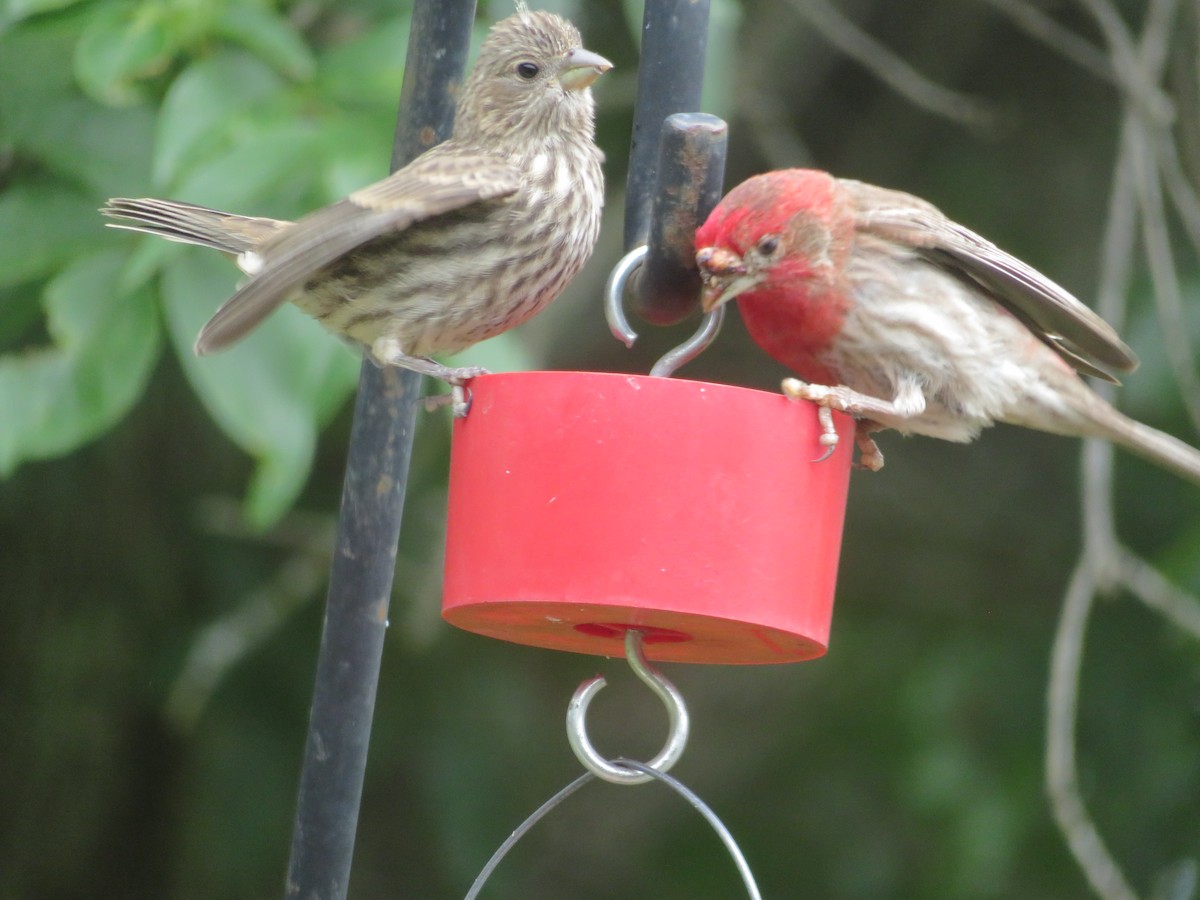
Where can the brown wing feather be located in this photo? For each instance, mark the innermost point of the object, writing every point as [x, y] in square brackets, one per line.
[440, 181]
[1069, 327]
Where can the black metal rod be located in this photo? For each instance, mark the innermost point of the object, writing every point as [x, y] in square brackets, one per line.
[688, 184]
[670, 79]
[360, 583]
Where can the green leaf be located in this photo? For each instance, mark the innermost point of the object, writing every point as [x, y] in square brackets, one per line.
[356, 147]
[202, 105]
[107, 150]
[44, 116]
[271, 393]
[105, 345]
[367, 69]
[13, 11]
[44, 225]
[123, 44]
[270, 36]
[20, 314]
[32, 76]
[254, 169]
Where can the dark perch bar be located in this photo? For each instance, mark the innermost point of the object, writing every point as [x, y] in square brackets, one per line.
[670, 79]
[676, 162]
[690, 176]
[360, 584]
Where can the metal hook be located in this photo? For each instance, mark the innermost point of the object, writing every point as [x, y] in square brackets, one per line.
[677, 716]
[710, 327]
[614, 295]
[618, 323]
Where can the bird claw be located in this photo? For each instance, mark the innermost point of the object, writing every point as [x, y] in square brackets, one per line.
[827, 399]
[829, 435]
[459, 401]
[869, 455]
[796, 389]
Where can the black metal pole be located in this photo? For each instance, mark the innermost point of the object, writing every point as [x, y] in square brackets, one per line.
[670, 79]
[676, 161]
[688, 183]
[360, 583]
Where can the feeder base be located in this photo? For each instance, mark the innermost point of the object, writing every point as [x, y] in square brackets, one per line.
[599, 629]
[584, 503]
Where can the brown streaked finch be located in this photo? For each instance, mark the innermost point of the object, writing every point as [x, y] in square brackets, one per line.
[470, 239]
[893, 313]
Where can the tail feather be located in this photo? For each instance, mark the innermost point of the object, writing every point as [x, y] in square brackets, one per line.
[1151, 444]
[190, 224]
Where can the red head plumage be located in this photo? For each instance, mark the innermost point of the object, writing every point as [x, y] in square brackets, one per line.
[779, 243]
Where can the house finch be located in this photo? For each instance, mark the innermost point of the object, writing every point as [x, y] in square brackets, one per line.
[470, 239]
[904, 319]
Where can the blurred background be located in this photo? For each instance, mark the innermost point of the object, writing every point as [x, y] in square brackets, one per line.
[166, 523]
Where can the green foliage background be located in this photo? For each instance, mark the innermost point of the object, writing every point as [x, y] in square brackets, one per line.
[165, 522]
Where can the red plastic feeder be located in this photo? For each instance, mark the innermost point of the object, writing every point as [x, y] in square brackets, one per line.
[584, 504]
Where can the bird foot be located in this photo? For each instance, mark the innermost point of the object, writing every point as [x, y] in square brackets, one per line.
[800, 390]
[842, 399]
[387, 352]
[459, 401]
[869, 455]
[826, 397]
[829, 435]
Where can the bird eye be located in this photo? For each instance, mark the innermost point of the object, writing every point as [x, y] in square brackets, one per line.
[768, 245]
[528, 70]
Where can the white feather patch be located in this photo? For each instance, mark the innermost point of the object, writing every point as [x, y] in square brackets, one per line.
[250, 262]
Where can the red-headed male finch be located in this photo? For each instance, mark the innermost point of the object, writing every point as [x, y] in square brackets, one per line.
[470, 239]
[904, 319]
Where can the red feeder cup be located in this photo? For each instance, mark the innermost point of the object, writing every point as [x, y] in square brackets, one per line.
[584, 504]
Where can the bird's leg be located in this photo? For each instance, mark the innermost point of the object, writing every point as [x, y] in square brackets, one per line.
[869, 454]
[861, 406]
[387, 351]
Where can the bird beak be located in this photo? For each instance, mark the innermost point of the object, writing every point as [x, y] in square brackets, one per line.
[582, 67]
[724, 276]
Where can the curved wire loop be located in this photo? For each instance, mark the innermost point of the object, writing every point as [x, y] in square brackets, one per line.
[521, 830]
[710, 816]
[618, 322]
[677, 715]
[687, 793]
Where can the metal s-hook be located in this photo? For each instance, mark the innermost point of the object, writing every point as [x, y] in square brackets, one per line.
[614, 295]
[710, 327]
[677, 715]
[659, 274]
[618, 323]
[687, 185]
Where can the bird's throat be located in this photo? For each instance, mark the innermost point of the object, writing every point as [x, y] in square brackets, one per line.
[797, 328]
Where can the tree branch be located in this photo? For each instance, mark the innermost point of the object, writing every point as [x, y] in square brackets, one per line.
[890, 68]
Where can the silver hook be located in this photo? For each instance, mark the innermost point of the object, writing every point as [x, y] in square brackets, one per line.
[614, 295]
[677, 716]
[614, 313]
